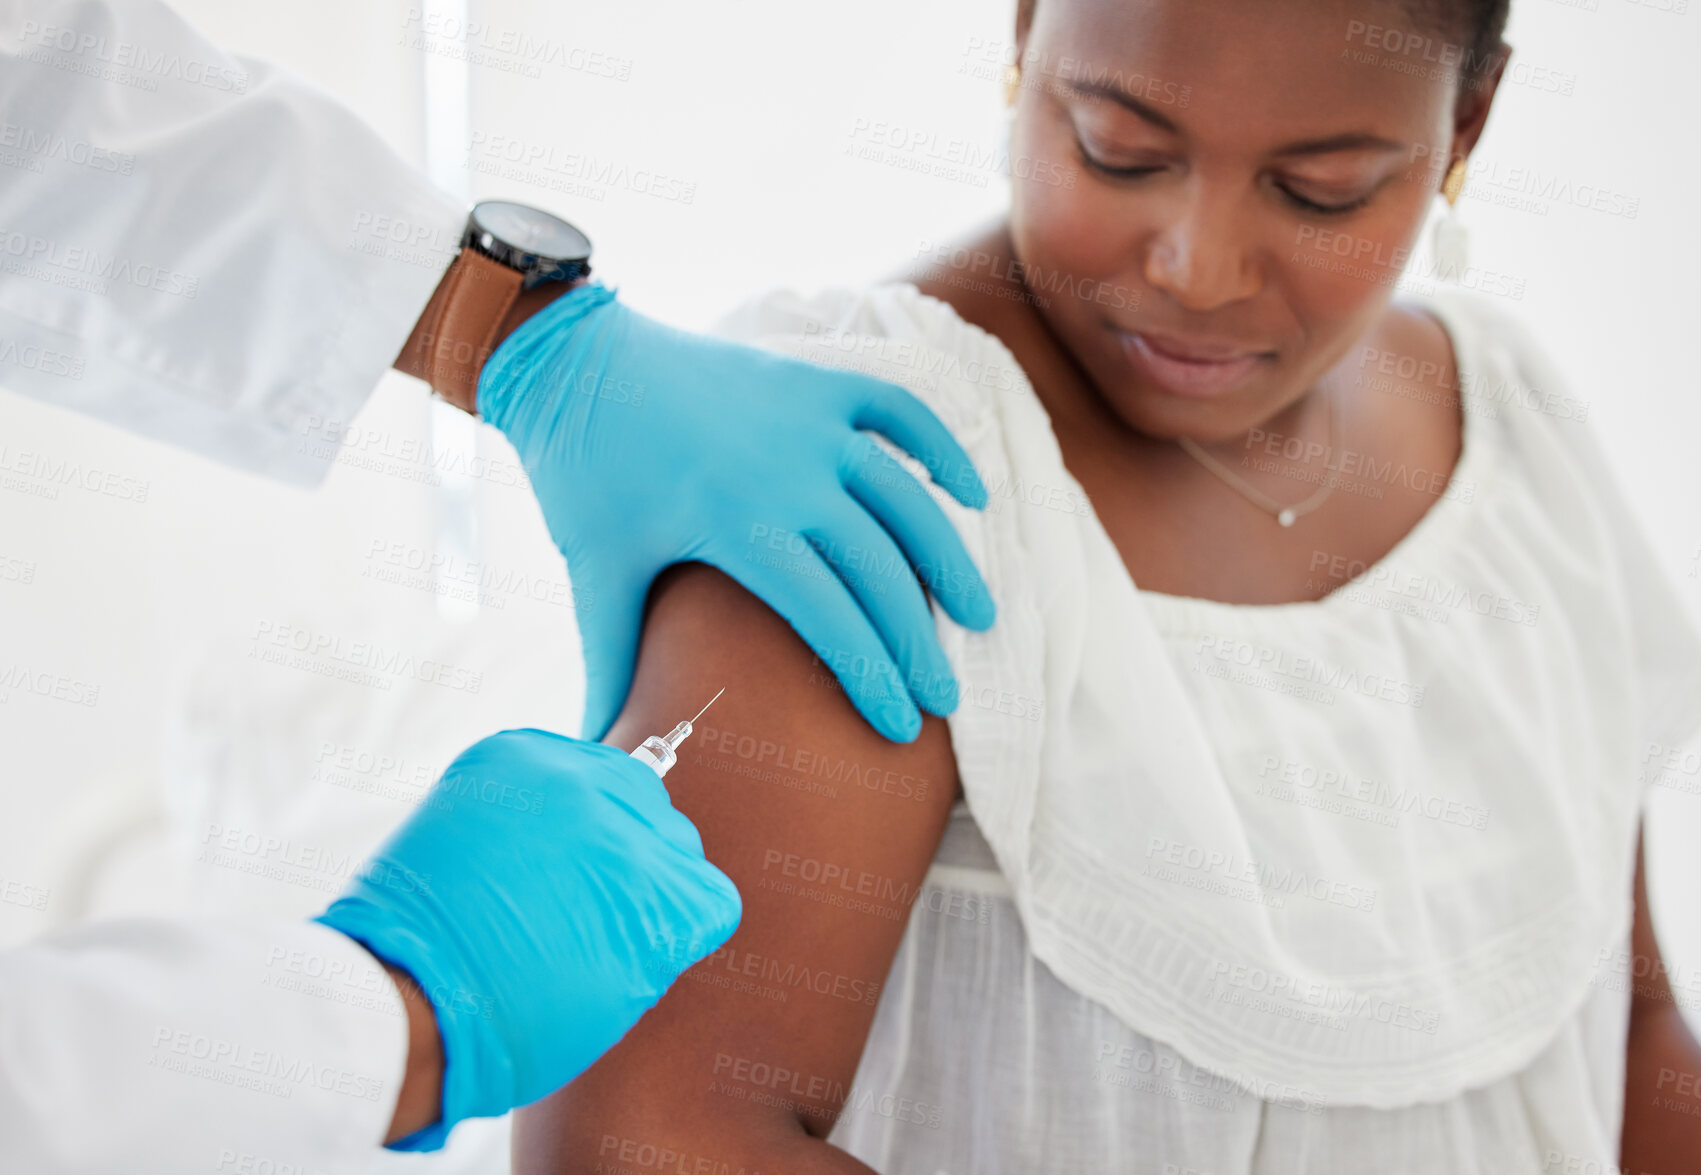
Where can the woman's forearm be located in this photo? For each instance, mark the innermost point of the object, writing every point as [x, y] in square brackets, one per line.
[1662, 1095]
[547, 1143]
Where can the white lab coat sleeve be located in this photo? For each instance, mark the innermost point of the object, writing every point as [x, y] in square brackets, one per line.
[196, 1047]
[199, 247]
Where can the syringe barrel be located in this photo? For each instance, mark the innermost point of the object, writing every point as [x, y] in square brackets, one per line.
[655, 754]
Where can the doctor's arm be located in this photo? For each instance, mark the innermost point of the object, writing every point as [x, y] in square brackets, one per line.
[200, 247]
[1662, 1098]
[203, 249]
[534, 905]
[152, 1045]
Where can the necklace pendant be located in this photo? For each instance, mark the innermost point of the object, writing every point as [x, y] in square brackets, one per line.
[1286, 517]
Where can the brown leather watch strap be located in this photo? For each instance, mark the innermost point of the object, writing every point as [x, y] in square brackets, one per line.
[477, 304]
[461, 326]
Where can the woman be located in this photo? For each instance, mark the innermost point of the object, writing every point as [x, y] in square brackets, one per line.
[1317, 849]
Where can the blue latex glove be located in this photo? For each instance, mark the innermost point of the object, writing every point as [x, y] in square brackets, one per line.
[648, 446]
[544, 896]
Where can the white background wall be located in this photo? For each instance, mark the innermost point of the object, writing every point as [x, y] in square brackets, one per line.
[751, 106]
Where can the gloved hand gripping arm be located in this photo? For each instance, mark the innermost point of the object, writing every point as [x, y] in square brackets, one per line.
[648, 446]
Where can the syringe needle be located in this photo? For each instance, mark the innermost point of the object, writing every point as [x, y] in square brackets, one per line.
[706, 705]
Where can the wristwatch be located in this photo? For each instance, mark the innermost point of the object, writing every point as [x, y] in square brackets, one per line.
[514, 260]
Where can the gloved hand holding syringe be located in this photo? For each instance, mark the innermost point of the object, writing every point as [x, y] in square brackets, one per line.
[544, 895]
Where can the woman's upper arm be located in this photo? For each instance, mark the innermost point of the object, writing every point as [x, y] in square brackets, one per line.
[827, 829]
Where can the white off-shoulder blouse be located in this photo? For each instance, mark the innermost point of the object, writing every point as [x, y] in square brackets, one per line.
[1336, 886]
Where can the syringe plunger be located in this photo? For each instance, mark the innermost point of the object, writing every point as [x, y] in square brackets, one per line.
[660, 753]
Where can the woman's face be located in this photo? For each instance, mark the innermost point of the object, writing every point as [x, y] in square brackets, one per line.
[1212, 199]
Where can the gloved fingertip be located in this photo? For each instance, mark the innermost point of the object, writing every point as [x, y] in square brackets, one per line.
[971, 607]
[732, 914]
[900, 722]
[942, 699]
[719, 914]
[967, 487]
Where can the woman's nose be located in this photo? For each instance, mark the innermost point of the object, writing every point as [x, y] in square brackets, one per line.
[1200, 259]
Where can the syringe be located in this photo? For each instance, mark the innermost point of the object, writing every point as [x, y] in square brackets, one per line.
[659, 752]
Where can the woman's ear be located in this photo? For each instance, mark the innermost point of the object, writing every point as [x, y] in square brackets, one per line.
[1024, 23]
[1476, 97]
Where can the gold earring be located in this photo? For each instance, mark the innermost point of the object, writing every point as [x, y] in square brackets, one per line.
[1454, 185]
[1012, 83]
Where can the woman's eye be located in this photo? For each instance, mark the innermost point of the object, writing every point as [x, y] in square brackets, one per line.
[1115, 171]
[1092, 161]
[1121, 173]
[1325, 207]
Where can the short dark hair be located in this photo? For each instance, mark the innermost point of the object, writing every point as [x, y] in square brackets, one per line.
[1476, 26]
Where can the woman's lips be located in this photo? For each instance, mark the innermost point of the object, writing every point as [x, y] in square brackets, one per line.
[1186, 368]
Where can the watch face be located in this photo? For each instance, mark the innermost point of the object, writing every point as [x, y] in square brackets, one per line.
[531, 230]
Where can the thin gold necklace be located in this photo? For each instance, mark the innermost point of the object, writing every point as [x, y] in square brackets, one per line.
[1286, 515]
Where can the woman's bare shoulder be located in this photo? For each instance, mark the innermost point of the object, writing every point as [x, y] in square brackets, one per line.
[1409, 387]
[826, 828]
[977, 276]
